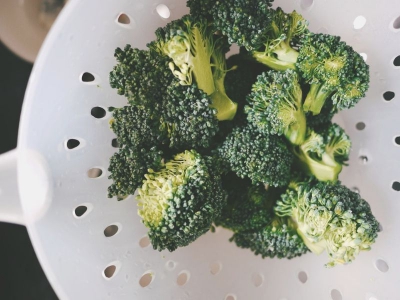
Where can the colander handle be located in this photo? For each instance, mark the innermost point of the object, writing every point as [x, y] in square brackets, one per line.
[10, 205]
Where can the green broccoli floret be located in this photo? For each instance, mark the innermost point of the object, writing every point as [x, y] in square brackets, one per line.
[262, 158]
[179, 202]
[271, 36]
[138, 126]
[334, 70]
[324, 153]
[201, 9]
[278, 239]
[330, 217]
[244, 22]
[198, 56]
[249, 207]
[275, 105]
[324, 118]
[189, 117]
[128, 167]
[141, 76]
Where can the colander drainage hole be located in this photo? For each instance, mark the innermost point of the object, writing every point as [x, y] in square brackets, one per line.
[360, 125]
[72, 144]
[388, 95]
[80, 211]
[257, 279]
[94, 173]
[397, 140]
[123, 19]
[306, 4]
[396, 186]
[302, 277]
[87, 77]
[98, 112]
[363, 159]
[396, 61]
[183, 278]
[144, 242]
[163, 11]
[381, 265]
[114, 143]
[215, 268]
[336, 295]
[111, 230]
[359, 22]
[110, 271]
[396, 23]
[146, 279]
[230, 297]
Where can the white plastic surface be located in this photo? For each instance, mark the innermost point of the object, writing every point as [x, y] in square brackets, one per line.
[74, 250]
[10, 206]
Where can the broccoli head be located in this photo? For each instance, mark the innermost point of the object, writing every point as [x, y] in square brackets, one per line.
[275, 105]
[330, 217]
[179, 202]
[324, 153]
[277, 239]
[141, 76]
[128, 167]
[198, 56]
[189, 117]
[248, 206]
[259, 157]
[334, 70]
[138, 126]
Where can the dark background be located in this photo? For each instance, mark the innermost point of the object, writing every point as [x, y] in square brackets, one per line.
[21, 276]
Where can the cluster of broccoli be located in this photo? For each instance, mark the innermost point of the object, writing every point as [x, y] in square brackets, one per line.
[244, 142]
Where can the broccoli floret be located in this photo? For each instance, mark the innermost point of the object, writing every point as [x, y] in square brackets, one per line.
[278, 239]
[334, 70]
[201, 9]
[141, 76]
[324, 118]
[198, 56]
[244, 22]
[275, 105]
[249, 207]
[262, 158]
[330, 217]
[138, 126]
[128, 167]
[271, 36]
[324, 153]
[179, 202]
[190, 119]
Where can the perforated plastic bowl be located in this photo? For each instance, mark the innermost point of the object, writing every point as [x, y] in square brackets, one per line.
[92, 247]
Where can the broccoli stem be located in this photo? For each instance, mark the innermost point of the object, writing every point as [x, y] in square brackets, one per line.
[201, 61]
[316, 98]
[316, 248]
[296, 133]
[286, 53]
[226, 108]
[273, 62]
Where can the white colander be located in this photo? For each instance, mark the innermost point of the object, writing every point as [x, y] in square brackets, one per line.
[102, 252]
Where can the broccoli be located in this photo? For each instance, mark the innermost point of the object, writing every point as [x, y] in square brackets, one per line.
[201, 9]
[248, 206]
[128, 167]
[137, 126]
[141, 76]
[179, 202]
[259, 157]
[334, 70]
[270, 36]
[330, 217]
[275, 105]
[198, 56]
[190, 119]
[324, 153]
[277, 239]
